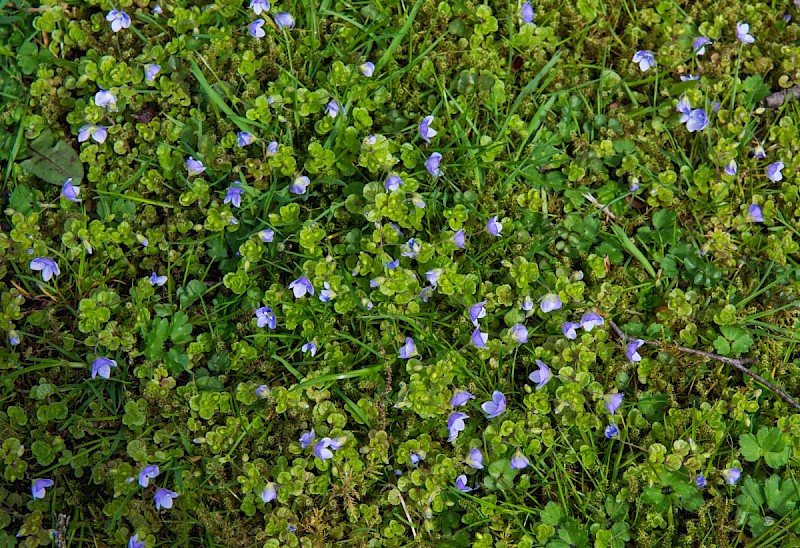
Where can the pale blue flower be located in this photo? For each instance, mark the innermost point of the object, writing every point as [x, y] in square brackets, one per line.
[700, 481]
[393, 182]
[495, 406]
[425, 130]
[590, 320]
[475, 459]
[243, 138]
[119, 20]
[743, 33]
[299, 185]
[527, 304]
[233, 195]
[526, 13]
[332, 109]
[408, 350]
[272, 148]
[461, 484]
[479, 338]
[310, 346]
[689, 78]
[265, 316]
[411, 249]
[684, 107]
[151, 71]
[105, 98]
[541, 376]
[518, 333]
[645, 59]
[195, 167]
[731, 168]
[259, 6]
[267, 235]
[432, 164]
[134, 542]
[102, 366]
[569, 330]
[494, 226]
[698, 120]
[270, 492]
[755, 213]
[611, 431]
[459, 239]
[759, 153]
[13, 338]
[549, 303]
[70, 191]
[460, 398]
[417, 200]
[633, 350]
[164, 498]
[476, 312]
[147, 473]
[255, 29]
[262, 391]
[326, 294]
[97, 133]
[519, 461]
[455, 424]
[415, 458]
[774, 172]
[48, 267]
[613, 402]
[325, 447]
[284, 20]
[301, 286]
[307, 438]
[433, 276]
[732, 475]
[367, 69]
[700, 44]
[38, 489]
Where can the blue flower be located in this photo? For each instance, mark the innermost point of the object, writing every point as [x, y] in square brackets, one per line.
[243, 138]
[432, 164]
[417, 200]
[151, 71]
[408, 350]
[684, 107]
[70, 191]
[416, 457]
[700, 44]
[234, 194]
[255, 29]
[265, 316]
[476, 312]
[479, 338]
[102, 366]
[147, 473]
[326, 294]
[460, 398]
[743, 33]
[433, 276]
[731, 168]
[425, 130]
[307, 438]
[284, 20]
[104, 98]
[266, 235]
[455, 424]
[495, 406]
[569, 330]
[459, 239]
[519, 461]
[391, 265]
[698, 120]
[325, 447]
[461, 484]
[475, 459]
[494, 226]
[613, 402]
[689, 78]
[541, 376]
[299, 185]
[550, 302]
[590, 320]
[134, 542]
[259, 6]
[39, 486]
[526, 13]
[611, 431]
[518, 333]
[633, 350]
[774, 172]
[272, 148]
[367, 69]
[97, 133]
[411, 249]
[13, 338]
[332, 109]
[732, 475]
[164, 498]
[527, 304]
[310, 346]
[119, 20]
[48, 267]
[755, 213]
[645, 59]
[393, 182]
[270, 492]
[195, 167]
[759, 153]
[301, 286]
[262, 391]
[700, 481]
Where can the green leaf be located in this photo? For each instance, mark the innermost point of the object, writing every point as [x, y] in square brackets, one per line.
[552, 514]
[501, 475]
[180, 329]
[22, 199]
[156, 337]
[28, 57]
[177, 360]
[53, 161]
[782, 496]
[774, 449]
[44, 452]
[748, 445]
[134, 417]
[188, 294]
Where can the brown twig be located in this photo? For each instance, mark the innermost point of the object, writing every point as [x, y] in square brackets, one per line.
[737, 363]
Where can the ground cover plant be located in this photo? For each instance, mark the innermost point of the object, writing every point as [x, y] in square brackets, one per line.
[399, 273]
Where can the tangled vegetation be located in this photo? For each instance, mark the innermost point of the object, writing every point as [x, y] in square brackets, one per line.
[399, 273]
